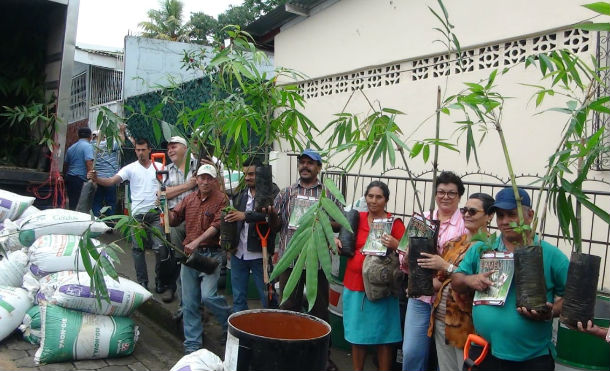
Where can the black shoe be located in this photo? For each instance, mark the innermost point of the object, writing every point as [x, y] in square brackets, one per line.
[168, 296]
[144, 284]
[160, 289]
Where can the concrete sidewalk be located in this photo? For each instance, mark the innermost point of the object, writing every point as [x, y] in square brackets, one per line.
[163, 313]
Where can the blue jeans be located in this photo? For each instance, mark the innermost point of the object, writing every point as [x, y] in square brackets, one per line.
[104, 196]
[416, 343]
[200, 288]
[240, 276]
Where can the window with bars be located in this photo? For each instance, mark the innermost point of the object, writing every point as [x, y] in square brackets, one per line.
[78, 98]
[106, 85]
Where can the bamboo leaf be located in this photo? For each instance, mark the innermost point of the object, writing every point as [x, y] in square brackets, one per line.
[600, 7]
[311, 273]
[295, 275]
[84, 253]
[323, 254]
[335, 213]
[600, 27]
[295, 246]
[334, 190]
[328, 230]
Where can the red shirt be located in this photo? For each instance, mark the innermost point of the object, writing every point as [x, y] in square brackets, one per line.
[353, 271]
[200, 214]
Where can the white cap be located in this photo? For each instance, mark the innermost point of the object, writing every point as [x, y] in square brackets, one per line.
[177, 139]
[95, 132]
[207, 169]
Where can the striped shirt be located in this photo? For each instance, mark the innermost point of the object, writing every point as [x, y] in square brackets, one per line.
[284, 204]
[176, 178]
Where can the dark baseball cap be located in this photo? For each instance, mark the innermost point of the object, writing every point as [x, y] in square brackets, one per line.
[311, 154]
[505, 199]
[84, 132]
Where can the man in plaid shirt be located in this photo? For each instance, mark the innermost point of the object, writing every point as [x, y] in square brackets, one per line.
[306, 191]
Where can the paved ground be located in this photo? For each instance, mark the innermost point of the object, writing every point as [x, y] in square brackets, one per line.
[159, 346]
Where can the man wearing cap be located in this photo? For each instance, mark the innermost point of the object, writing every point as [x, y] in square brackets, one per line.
[79, 161]
[201, 212]
[143, 187]
[520, 339]
[306, 190]
[180, 183]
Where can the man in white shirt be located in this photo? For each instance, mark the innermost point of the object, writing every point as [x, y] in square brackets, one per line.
[143, 187]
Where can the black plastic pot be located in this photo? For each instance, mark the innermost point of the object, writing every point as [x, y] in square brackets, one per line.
[228, 233]
[200, 263]
[529, 278]
[264, 187]
[272, 339]
[85, 201]
[420, 279]
[581, 289]
[347, 238]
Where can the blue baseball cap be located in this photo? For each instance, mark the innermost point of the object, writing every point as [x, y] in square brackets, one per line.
[505, 199]
[311, 154]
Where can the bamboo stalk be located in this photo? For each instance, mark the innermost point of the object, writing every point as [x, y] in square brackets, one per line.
[435, 162]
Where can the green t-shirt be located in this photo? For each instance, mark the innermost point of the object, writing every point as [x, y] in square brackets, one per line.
[512, 336]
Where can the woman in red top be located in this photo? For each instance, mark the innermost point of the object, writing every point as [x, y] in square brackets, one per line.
[366, 322]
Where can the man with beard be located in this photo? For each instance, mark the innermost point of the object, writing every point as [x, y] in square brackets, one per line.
[248, 256]
[290, 202]
[143, 187]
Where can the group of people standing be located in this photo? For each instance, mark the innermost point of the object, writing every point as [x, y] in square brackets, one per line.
[519, 338]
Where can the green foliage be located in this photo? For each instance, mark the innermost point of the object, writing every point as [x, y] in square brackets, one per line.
[310, 245]
[166, 23]
[97, 263]
[248, 111]
[148, 112]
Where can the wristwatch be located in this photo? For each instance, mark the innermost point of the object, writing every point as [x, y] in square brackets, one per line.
[451, 268]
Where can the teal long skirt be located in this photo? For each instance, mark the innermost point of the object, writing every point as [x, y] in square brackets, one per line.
[368, 322]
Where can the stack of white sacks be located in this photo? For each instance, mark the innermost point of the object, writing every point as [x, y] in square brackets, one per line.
[45, 290]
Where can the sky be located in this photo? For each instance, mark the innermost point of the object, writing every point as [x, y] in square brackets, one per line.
[106, 22]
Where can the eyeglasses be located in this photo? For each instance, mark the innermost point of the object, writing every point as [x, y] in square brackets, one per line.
[471, 211]
[450, 195]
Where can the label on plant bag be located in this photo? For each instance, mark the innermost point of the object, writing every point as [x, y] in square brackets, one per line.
[373, 244]
[418, 227]
[502, 265]
[301, 205]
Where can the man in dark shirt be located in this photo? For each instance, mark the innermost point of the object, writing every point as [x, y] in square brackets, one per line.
[201, 212]
[248, 256]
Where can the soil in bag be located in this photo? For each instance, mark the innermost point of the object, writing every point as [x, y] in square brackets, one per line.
[264, 187]
[581, 289]
[85, 201]
[529, 278]
[347, 238]
[228, 232]
[420, 279]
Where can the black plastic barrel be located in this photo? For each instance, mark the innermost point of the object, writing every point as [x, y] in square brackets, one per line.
[273, 339]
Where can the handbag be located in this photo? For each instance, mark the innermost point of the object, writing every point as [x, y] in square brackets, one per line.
[382, 276]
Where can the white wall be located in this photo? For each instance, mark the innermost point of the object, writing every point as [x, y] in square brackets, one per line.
[388, 49]
[351, 34]
[151, 64]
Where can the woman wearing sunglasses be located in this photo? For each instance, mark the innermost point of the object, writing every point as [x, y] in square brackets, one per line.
[451, 318]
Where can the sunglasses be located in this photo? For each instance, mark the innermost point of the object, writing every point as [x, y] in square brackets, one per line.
[471, 211]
